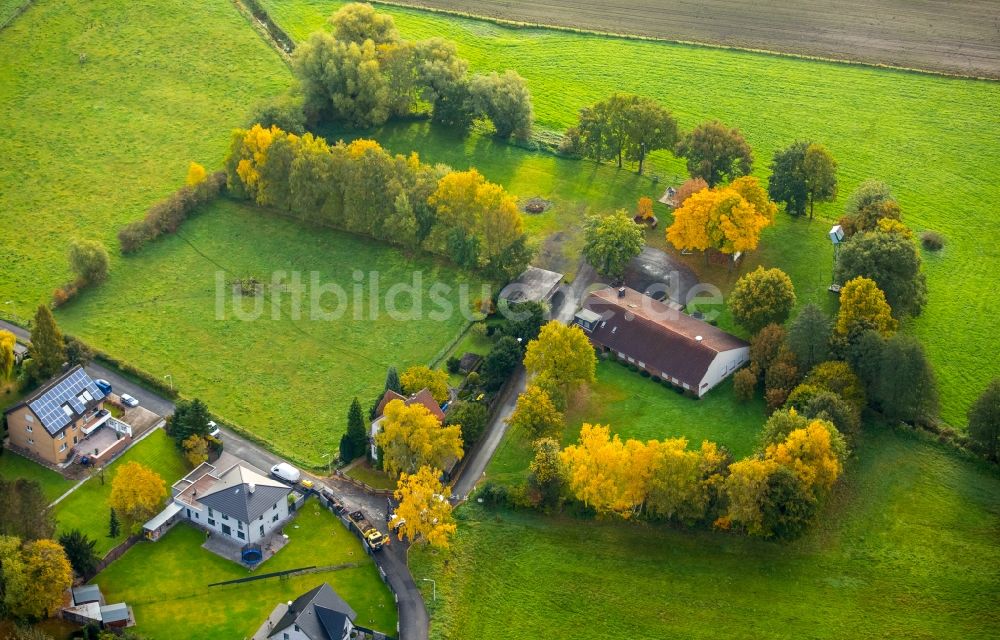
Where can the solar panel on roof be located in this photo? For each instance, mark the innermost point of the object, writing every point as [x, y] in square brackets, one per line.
[49, 406]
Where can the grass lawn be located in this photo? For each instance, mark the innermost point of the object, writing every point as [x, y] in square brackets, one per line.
[374, 478]
[13, 466]
[907, 549]
[287, 378]
[90, 146]
[174, 602]
[927, 136]
[87, 509]
[636, 407]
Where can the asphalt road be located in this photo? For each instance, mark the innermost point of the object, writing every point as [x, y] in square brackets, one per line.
[474, 467]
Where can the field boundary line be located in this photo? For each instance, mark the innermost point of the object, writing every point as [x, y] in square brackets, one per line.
[518, 24]
[263, 30]
[17, 14]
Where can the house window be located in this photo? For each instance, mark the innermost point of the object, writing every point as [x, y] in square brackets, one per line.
[275, 506]
[75, 439]
[285, 635]
[261, 517]
[225, 517]
[261, 530]
[196, 516]
[188, 513]
[686, 386]
[28, 429]
[29, 418]
[631, 359]
[67, 410]
[296, 627]
[210, 513]
[275, 518]
[30, 441]
[241, 535]
[63, 447]
[62, 436]
[239, 525]
[642, 365]
[211, 522]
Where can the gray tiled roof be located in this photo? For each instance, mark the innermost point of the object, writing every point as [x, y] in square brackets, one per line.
[49, 403]
[244, 494]
[319, 613]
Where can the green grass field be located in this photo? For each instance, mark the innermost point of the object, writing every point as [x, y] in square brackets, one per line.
[13, 466]
[933, 139]
[290, 381]
[636, 407]
[166, 582]
[90, 146]
[87, 508]
[907, 548]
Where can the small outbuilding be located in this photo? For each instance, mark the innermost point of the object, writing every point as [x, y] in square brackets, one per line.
[85, 594]
[117, 615]
[534, 285]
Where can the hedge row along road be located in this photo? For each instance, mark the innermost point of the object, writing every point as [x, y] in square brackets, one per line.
[935, 35]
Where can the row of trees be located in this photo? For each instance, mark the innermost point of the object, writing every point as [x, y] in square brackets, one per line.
[362, 188]
[363, 73]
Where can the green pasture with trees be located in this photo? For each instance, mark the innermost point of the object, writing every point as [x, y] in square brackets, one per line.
[773, 101]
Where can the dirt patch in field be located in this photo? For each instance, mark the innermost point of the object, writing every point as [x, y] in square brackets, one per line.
[937, 35]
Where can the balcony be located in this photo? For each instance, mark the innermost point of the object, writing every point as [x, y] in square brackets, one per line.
[87, 424]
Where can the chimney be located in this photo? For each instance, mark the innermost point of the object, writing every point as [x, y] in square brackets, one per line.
[251, 487]
[621, 292]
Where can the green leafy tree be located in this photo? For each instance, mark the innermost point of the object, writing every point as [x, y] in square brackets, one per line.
[358, 21]
[24, 511]
[190, 418]
[283, 111]
[892, 261]
[788, 507]
[545, 473]
[762, 297]
[837, 376]
[907, 388]
[354, 442]
[342, 81]
[500, 362]
[442, 77]
[80, 551]
[89, 261]
[114, 526]
[505, 100]
[821, 175]
[625, 127]
[868, 193]
[611, 242]
[535, 414]
[787, 183]
[984, 420]
[472, 418]
[47, 349]
[392, 382]
[815, 402]
[716, 153]
[864, 355]
[648, 127]
[809, 337]
[525, 320]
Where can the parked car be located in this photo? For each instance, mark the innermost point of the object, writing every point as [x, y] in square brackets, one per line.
[103, 385]
[128, 400]
[286, 472]
[213, 429]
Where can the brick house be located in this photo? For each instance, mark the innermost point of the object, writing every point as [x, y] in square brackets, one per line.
[50, 422]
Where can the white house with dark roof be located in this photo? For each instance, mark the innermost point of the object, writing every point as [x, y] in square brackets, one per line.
[669, 344]
[319, 614]
[241, 503]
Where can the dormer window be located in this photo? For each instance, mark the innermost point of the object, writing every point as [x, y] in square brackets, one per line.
[68, 410]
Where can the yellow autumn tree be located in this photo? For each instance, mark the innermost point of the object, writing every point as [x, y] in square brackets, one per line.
[420, 377]
[137, 494]
[728, 218]
[253, 154]
[746, 488]
[196, 174]
[424, 512]
[683, 481]
[465, 200]
[863, 308]
[7, 357]
[47, 575]
[595, 469]
[560, 358]
[412, 437]
[195, 449]
[809, 454]
[535, 414]
[645, 208]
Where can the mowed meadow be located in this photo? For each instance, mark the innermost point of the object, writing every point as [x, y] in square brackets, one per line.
[934, 140]
[266, 362]
[103, 106]
[905, 548]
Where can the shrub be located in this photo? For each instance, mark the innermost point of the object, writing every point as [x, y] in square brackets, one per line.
[494, 495]
[453, 364]
[481, 329]
[840, 379]
[745, 384]
[89, 261]
[775, 398]
[932, 240]
[167, 215]
[134, 235]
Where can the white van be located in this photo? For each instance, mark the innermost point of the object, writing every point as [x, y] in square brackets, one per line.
[286, 472]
